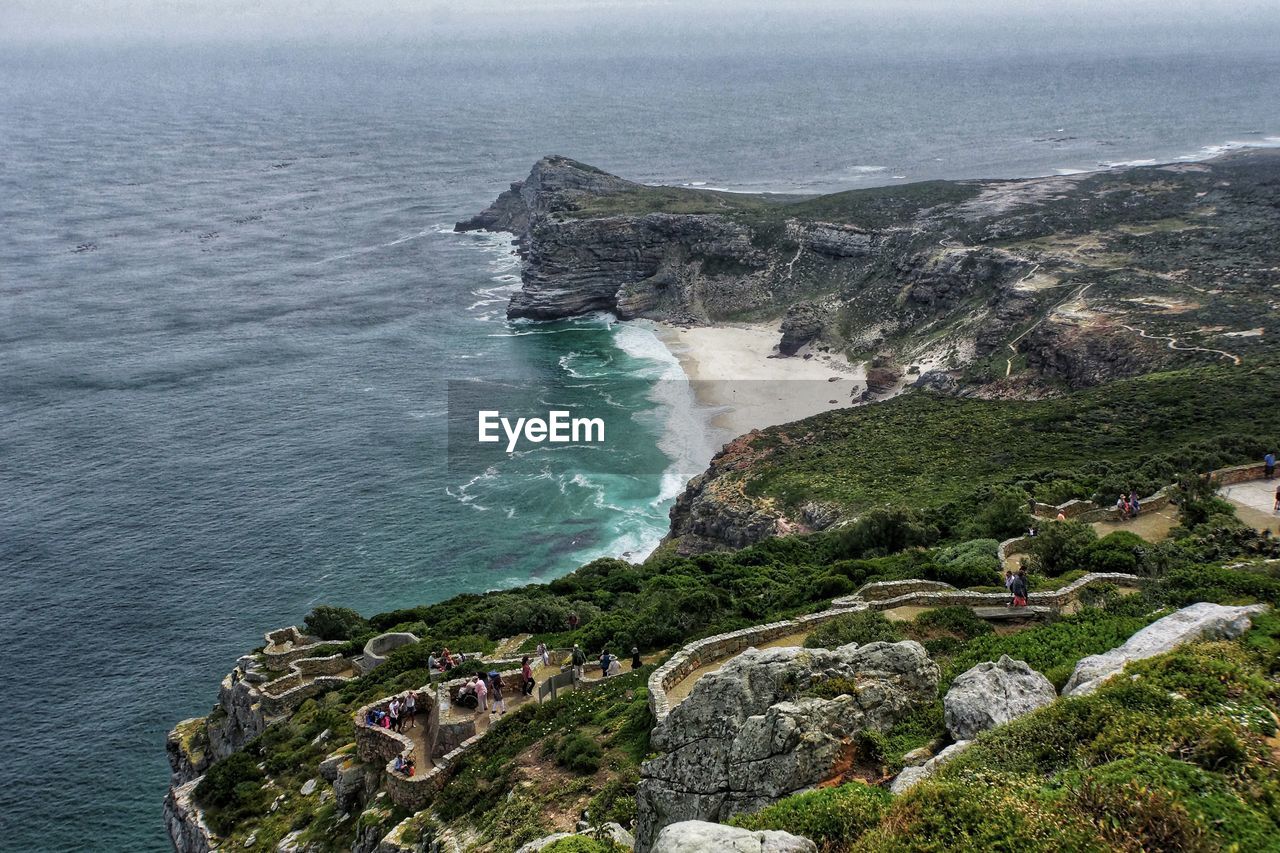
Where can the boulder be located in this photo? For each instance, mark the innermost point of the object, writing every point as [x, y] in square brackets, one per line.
[614, 831]
[1201, 621]
[991, 694]
[910, 776]
[696, 836]
[748, 735]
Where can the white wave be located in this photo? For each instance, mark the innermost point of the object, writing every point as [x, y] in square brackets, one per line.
[365, 250]
[866, 170]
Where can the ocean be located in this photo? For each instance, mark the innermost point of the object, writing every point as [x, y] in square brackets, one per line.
[232, 303]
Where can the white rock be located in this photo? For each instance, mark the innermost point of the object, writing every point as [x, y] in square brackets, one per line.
[1201, 621]
[991, 694]
[907, 779]
[696, 836]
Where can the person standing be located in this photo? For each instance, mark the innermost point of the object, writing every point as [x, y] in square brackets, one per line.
[544, 653]
[410, 711]
[496, 705]
[526, 672]
[1008, 585]
[482, 694]
[1269, 465]
[579, 660]
[636, 663]
[605, 657]
[1019, 589]
[1135, 506]
[394, 710]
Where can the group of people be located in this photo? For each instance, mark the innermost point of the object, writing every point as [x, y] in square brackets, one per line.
[1016, 583]
[399, 715]
[487, 689]
[1128, 507]
[609, 664]
[446, 661]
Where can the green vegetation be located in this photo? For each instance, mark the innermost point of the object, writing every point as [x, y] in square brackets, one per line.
[335, 623]
[958, 457]
[868, 626]
[837, 816]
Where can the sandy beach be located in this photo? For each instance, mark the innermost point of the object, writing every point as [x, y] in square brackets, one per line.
[731, 370]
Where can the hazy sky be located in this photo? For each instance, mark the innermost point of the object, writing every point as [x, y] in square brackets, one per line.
[567, 21]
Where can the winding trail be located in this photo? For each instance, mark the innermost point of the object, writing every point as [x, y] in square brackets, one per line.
[1173, 343]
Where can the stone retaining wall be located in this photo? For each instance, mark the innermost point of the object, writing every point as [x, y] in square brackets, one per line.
[1239, 474]
[891, 589]
[377, 649]
[288, 692]
[277, 657]
[699, 653]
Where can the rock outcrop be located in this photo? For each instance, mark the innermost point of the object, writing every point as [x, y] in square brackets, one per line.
[696, 836]
[750, 733]
[184, 821]
[1203, 621]
[991, 694]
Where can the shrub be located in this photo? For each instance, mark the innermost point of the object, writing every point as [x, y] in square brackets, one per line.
[972, 563]
[221, 786]
[1131, 816]
[884, 531]
[959, 621]
[335, 623]
[615, 802]
[1061, 546]
[1004, 516]
[832, 818]
[867, 626]
[579, 753]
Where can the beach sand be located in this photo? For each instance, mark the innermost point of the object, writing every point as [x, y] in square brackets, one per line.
[730, 370]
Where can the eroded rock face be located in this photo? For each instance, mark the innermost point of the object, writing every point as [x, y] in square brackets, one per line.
[991, 694]
[1201, 621]
[748, 735]
[696, 836]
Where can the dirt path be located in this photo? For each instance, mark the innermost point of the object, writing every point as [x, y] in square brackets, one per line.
[1173, 343]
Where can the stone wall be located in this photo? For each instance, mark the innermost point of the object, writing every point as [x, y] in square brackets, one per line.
[286, 645]
[285, 694]
[924, 594]
[1239, 474]
[377, 649]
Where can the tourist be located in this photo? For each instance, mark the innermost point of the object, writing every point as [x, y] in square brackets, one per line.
[573, 621]
[447, 658]
[393, 710]
[636, 663]
[433, 664]
[371, 718]
[1019, 588]
[1269, 465]
[410, 711]
[579, 660]
[615, 666]
[1275, 506]
[1135, 506]
[1122, 506]
[399, 765]
[408, 767]
[495, 690]
[545, 654]
[1062, 516]
[1008, 585]
[526, 673]
[482, 693]
[605, 657]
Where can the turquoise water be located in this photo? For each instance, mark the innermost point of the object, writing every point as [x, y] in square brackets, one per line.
[232, 304]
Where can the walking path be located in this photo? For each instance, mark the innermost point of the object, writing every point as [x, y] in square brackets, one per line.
[1253, 501]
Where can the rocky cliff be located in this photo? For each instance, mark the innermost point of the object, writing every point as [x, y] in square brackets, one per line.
[1048, 282]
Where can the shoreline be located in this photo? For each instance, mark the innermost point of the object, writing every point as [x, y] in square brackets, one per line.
[736, 375]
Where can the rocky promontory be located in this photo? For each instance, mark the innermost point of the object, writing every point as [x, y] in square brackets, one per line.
[1066, 281]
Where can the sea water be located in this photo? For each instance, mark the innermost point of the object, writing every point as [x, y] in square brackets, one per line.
[232, 301]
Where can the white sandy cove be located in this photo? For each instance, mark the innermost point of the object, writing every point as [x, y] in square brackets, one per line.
[730, 369]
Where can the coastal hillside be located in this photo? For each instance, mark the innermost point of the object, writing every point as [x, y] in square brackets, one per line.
[900, 613]
[998, 287]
